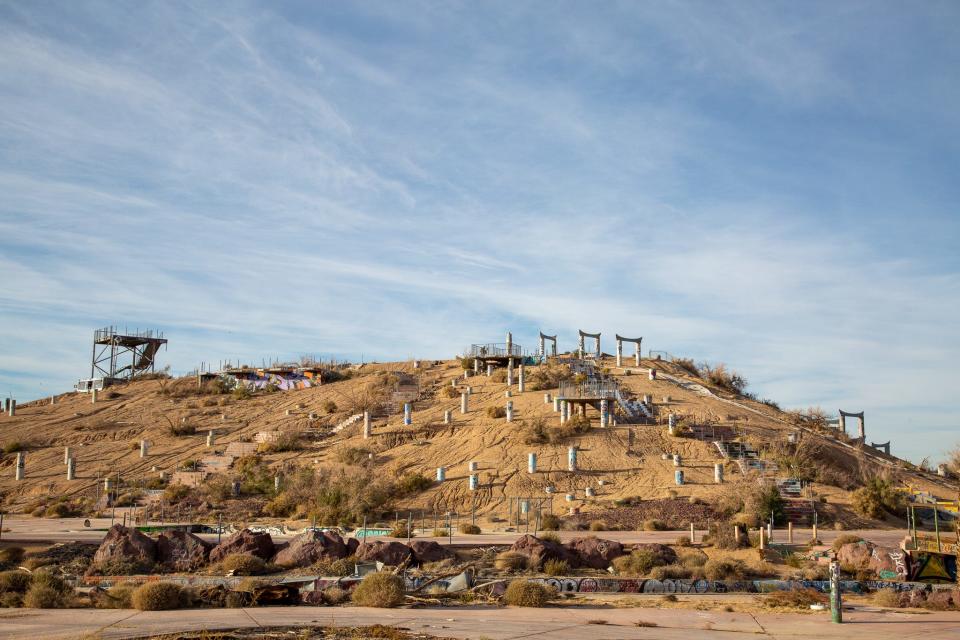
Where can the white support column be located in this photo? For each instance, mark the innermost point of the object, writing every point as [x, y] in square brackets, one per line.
[510, 372]
[637, 354]
[619, 352]
[531, 463]
[489, 369]
[93, 396]
[367, 426]
[604, 413]
[66, 455]
[441, 474]
[718, 473]
[144, 448]
[21, 464]
[509, 410]
[407, 414]
[447, 417]
[463, 402]
[556, 404]
[580, 349]
[596, 349]
[71, 469]
[211, 437]
[520, 380]
[572, 459]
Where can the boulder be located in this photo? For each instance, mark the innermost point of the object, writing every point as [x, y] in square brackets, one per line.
[539, 551]
[352, 544]
[182, 551]
[311, 547]
[666, 554]
[126, 545]
[868, 557]
[594, 552]
[245, 541]
[388, 552]
[429, 551]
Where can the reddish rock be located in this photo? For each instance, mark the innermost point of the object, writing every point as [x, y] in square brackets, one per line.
[127, 545]
[391, 553]
[245, 541]
[310, 547]
[879, 561]
[182, 551]
[539, 551]
[595, 553]
[666, 554]
[429, 551]
[352, 544]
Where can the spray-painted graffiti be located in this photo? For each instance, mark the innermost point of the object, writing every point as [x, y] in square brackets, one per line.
[934, 567]
[630, 585]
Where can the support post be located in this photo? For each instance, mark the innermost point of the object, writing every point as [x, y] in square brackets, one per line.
[836, 601]
[619, 352]
[367, 427]
[21, 463]
[463, 402]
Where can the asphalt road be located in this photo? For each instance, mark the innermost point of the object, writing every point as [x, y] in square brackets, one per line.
[27, 530]
[555, 623]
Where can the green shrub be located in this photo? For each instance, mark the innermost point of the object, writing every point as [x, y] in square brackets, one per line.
[876, 498]
[383, 590]
[469, 529]
[554, 567]
[523, 593]
[156, 596]
[14, 447]
[243, 564]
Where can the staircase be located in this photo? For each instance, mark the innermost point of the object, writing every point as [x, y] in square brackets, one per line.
[746, 457]
[352, 420]
[635, 409]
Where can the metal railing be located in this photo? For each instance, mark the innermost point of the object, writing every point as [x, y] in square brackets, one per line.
[495, 350]
[588, 390]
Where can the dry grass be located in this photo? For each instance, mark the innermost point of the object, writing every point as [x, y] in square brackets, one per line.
[795, 598]
[554, 567]
[469, 529]
[243, 564]
[156, 596]
[511, 561]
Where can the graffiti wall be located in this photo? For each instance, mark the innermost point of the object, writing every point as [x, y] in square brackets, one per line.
[258, 380]
[641, 585]
[934, 567]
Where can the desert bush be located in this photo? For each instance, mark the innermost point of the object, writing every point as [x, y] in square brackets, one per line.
[117, 597]
[341, 567]
[466, 363]
[549, 536]
[691, 558]
[499, 375]
[496, 411]
[330, 406]
[877, 497]
[548, 376]
[402, 529]
[671, 572]
[654, 525]
[178, 429]
[43, 596]
[353, 455]
[412, 483]
[725, 569]
[174, 493]
[14, 446]
[451, 392]
[122, 567]
[687, 365]
[14, 581]
[156, 596]
[287, 441]
[511, 561]
[795, 598]
[11, 556]
[721, 536]
[334, 596]
[762, 502]
[886, 598]
[598, 525]
[441, 533]
[243, 564]
[847, 538]
[683, 541]
[638, 563]
[469, 529]
[724, 378]
[383, 590]
[554, 567]
[523, 593]
[550, 522]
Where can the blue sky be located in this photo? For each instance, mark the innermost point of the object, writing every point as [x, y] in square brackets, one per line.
[770, 185]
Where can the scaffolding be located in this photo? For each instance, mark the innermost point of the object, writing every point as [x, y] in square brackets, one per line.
[119, 356]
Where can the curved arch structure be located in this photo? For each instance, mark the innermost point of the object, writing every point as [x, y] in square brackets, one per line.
[596, 338]
[620, 341]
[882, 446]
[543, 345]
[850, 414]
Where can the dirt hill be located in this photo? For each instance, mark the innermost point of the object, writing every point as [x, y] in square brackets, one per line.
[632, 460]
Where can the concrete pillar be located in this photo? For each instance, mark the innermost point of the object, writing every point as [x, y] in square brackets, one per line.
[107, 486]
[6, 405]
[589, 492]
[12, 408]
[163, 475]
[508, 394]
[469, 390]
[71, 469]
[604, 413]
[570, 497]
[521, 387]
[572, 459]
[546, 398]
[647, 398]
[637, 354]
[474, 482]
[441, 474]
[510, 411]
[672, 424]
[510, 372]
[144, 447]
[531, 463]
[489, 370]
[597, 346]
[653, 374]
[407, 414]
[861, 433]
[448, 417]
[453, 382]
[66, 455]
[509, 344]
[463, 402]
[556, 404]
[474, 466]
[564, 411]
[942, 470]
[677, 460]
[543, 348]
[842, 423]
[367, 428]
[53, 399]
[619, 352]
[93, 396]
[476, 367]
[693, 534]
[678, 477]
[580, 346]
[736, 534]
[718, 473]
[276, 484]
[236, 488]
[21, 464]
[211, 437]
[790, 532]
[763, 543]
